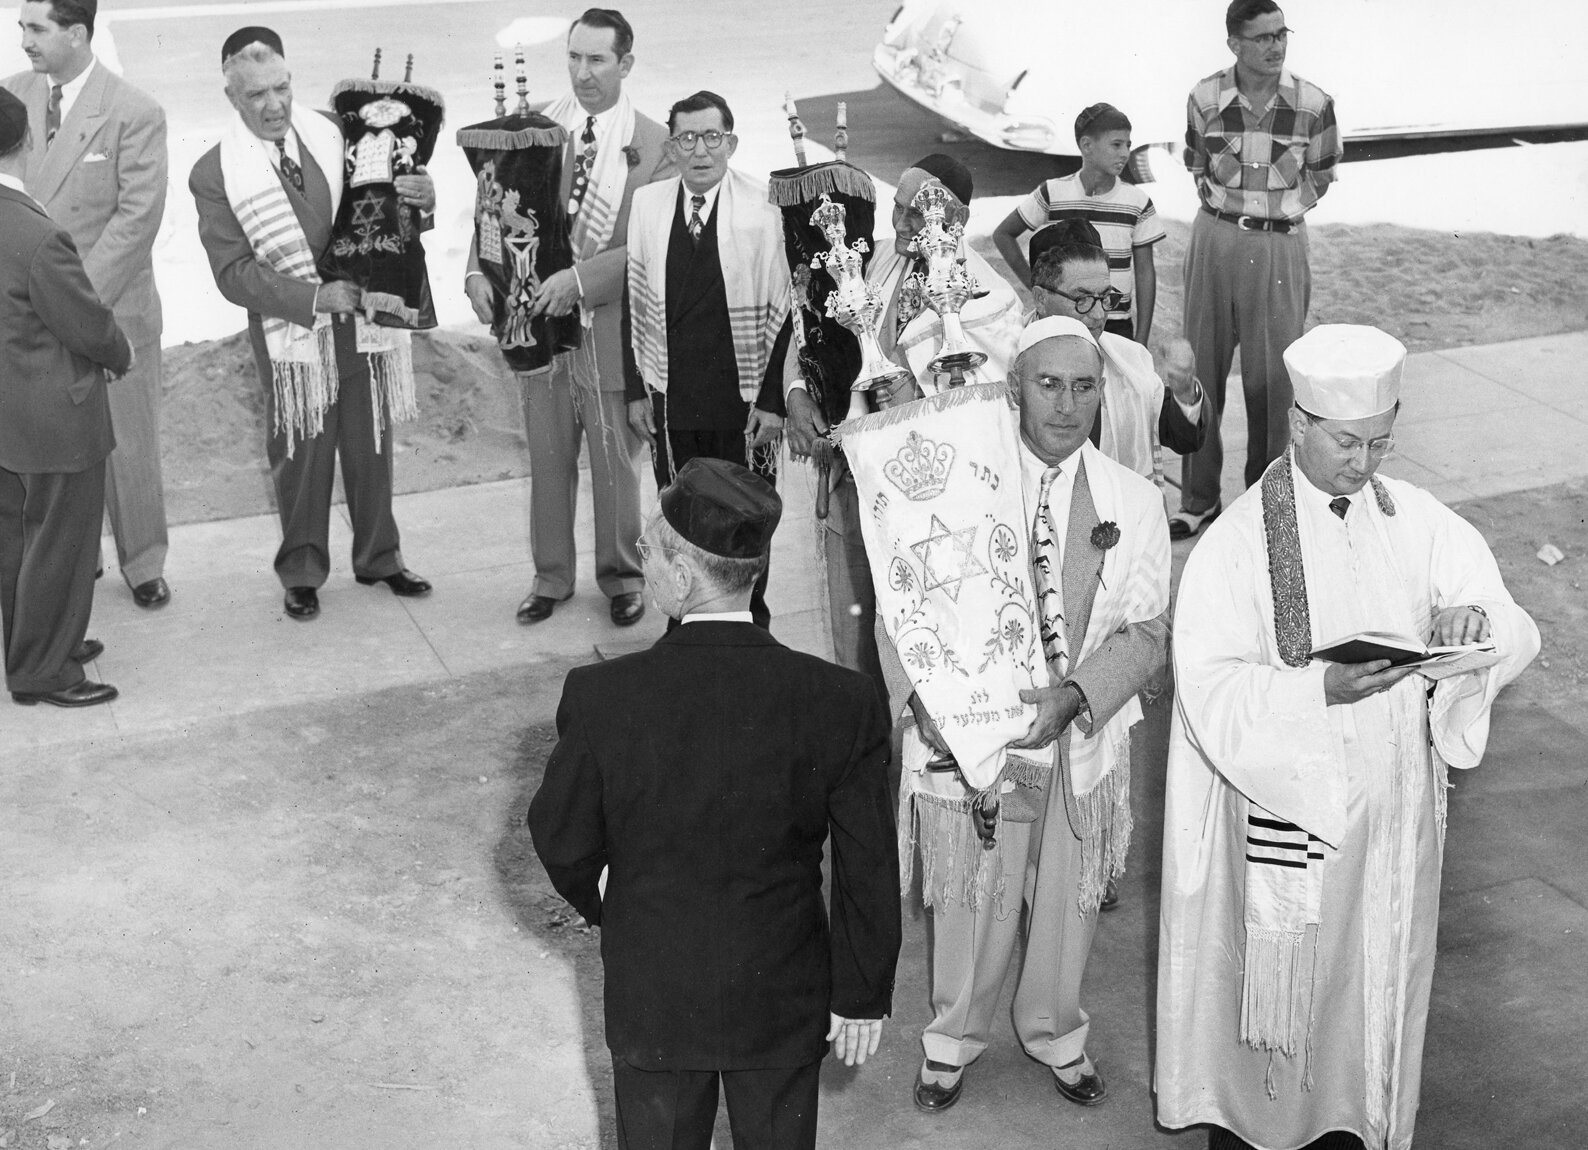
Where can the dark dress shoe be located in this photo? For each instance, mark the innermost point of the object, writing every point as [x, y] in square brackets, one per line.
[154, 593]
[936, 1099]
[302, 602]
[87, 651]
[536, 608]
[404, 583]
[84, 694]
[627, 608]
[1087, 1090]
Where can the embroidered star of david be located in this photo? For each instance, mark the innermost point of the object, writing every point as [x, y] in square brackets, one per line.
[368, 210]
[946, 558]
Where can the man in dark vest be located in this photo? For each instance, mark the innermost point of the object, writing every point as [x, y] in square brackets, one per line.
[684, 810]
[709, 307]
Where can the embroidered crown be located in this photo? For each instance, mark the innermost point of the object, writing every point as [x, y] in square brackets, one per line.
[921, 467]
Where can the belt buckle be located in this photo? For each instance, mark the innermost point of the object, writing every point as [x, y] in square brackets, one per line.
[1248, 223]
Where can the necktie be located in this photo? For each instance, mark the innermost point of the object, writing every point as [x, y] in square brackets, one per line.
[1339, 504]
[290, 167]
[695, 222]
[582, 164]
[52, 115]
[1046, 564]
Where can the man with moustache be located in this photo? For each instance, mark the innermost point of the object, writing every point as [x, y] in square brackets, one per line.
[613, 151]
[57, 342]
[97, 163]
[708, 287]
[1262, 145]
[267, 197]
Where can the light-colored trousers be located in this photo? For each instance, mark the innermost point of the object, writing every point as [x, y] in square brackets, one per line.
[1248, 288]
[134, 490]
[972, 950]
[555, 419]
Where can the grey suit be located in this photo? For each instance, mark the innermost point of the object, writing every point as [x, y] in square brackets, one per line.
[103, 179]
[972, 949]
[557, 414]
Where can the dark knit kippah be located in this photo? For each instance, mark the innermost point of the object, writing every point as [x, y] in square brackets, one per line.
[243, 37]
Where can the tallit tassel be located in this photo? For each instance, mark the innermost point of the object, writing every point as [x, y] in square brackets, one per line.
[304, 389]
[1271, 991]
[953, 863]
[391, 382]
[1105, 829]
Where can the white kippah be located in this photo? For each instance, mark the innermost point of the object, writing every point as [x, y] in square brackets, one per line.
[1346, 370]
[1051, 326]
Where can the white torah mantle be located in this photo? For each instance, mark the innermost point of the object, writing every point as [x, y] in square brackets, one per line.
[948, 537]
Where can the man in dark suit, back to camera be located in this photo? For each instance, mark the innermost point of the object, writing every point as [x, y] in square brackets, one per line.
[57, 343]
[684, 810]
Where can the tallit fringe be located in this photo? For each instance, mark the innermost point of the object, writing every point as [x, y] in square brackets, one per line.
[953, 862]
[497, 139]
[1271, 993]
[942, 401]
[1105, 828]
[305, 389]
[391, 382]
[791, 188]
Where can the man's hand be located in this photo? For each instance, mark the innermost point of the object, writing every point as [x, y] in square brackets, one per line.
[482, 297]
[642, 421]
[984, 818]
[1353, 682]
[1455, 626]
[763, 427]
[1179, 371]
[1056, 709]
[558, 294]
[339, 297]
[854, 1039]
[805, 424]
[926, 726]
[132, 361]
[417, 191]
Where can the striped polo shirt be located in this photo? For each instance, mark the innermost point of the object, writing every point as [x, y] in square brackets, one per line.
[1271, 163]
[1123, 216]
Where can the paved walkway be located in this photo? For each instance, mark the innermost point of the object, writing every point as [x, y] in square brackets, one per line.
[1475, 421]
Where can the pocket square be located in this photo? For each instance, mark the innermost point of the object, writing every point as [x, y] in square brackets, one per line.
[95, 158]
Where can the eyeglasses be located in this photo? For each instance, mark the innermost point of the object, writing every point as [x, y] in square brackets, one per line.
[1350, 444]
[1085, 301]
[712, 139]
[1268, 39]
[647, 548]
[1079, 389]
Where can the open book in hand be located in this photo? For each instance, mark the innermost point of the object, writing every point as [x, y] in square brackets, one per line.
[1404, 651]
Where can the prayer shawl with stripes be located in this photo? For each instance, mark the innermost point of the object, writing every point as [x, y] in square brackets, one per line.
[303, 359]
[754, 273]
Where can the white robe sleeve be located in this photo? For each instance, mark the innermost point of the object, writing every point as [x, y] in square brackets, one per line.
[1263, 726]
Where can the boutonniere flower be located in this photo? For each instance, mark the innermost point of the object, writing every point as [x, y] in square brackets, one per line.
[1105, 535]
[632, 155]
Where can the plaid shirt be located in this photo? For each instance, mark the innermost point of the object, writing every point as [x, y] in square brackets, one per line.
[1273, 164]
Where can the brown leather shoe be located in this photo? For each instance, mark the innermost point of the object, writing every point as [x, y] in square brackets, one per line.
[627, 608]
[155, 593]
[1087, 1089]
[87, 651]
[84, 694]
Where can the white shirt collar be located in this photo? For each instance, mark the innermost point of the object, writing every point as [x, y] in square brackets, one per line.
[603, 125]
[1317, 498]
[74, 88]
[12, 182]
[716, 617]
[711, 199]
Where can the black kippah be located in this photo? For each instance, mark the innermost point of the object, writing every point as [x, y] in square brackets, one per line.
[952, 174]
[13, 121]
[243, 37]
[722, 508]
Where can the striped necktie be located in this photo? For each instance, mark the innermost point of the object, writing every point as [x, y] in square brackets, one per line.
[52, 115]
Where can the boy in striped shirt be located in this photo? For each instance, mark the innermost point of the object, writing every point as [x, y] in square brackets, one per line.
[1122, 214]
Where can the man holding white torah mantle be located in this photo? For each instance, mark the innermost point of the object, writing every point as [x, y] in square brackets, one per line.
[1305, 812]
[1023, 582]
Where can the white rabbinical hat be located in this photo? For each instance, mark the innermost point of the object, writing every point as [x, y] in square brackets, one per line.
[1346, 371]
[1051, 327]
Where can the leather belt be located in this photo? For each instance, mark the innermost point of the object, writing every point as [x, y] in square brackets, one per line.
[1251, 223]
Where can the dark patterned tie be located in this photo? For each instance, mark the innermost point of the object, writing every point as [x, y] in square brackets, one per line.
[290, 167]
[1339, 504]
[52, 115]
[582, 163]
[696, 224]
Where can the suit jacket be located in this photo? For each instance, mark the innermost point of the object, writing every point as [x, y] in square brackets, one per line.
[706, 772]
[55, 335]
[104, 181]
[1178, 433]
[1129, 661]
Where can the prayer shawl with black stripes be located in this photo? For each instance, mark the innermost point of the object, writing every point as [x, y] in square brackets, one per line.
[754, 274]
